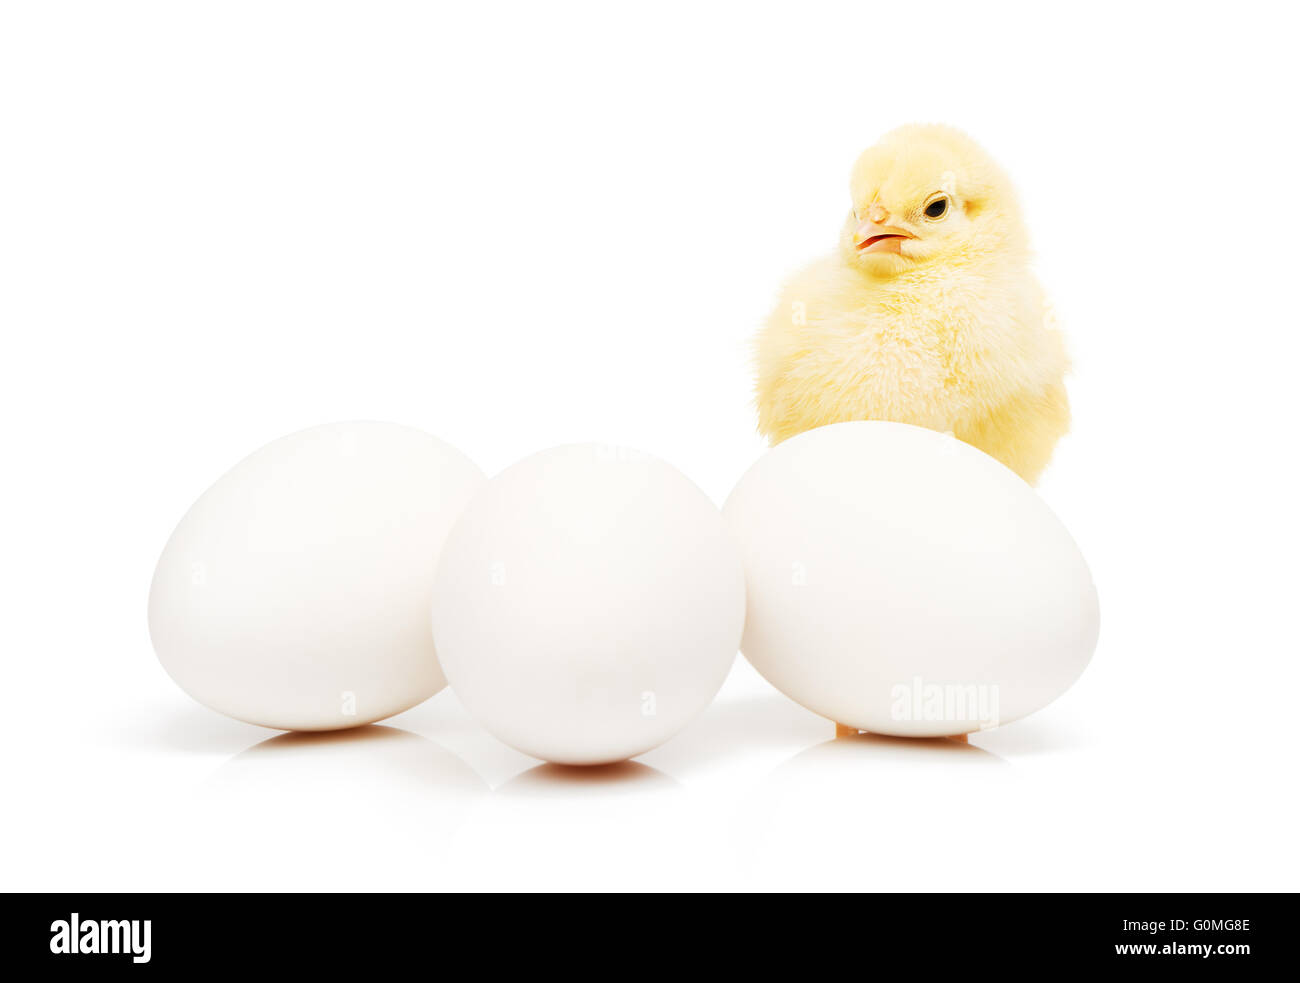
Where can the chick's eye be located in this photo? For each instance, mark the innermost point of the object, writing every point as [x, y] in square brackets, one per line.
[937, 208]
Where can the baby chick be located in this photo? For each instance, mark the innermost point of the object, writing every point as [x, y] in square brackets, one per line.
[927, 314]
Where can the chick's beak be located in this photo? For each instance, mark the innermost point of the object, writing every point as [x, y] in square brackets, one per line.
[876, 236]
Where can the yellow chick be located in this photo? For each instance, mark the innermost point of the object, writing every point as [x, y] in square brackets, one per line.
[927, 314]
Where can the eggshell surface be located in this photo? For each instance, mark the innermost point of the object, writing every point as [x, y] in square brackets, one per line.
[902, 582]
[295, 592]
[588, 604]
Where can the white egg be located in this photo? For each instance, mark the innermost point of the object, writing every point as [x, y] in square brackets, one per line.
[295, 592]
[901, 582]
[588, 603]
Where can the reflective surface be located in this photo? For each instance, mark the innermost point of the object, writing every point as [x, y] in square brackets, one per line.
[757, 793]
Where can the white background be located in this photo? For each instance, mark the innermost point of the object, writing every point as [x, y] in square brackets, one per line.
[516, 226]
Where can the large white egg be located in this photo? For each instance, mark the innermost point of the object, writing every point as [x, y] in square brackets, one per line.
[588, 603]
[295, 592]
[902, 582]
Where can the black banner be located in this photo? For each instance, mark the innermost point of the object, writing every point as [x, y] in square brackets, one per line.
[984, 934]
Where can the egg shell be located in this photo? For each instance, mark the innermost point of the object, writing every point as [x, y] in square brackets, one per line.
[902, 582]
[295, 592]
[588, 604]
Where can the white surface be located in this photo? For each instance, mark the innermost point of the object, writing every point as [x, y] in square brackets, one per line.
[902, 582]
[295, 593]
[588, 604]
[516, 227]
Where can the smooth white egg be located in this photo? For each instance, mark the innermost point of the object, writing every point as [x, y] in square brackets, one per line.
[295, 592]
[902, 582]
[588, 604]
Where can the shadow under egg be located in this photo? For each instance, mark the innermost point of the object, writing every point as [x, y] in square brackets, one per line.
[881, 749]
[378, 759]
[885, 744]
[561, 781]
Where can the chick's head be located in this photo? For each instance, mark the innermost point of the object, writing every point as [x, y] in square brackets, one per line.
[926, 195]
